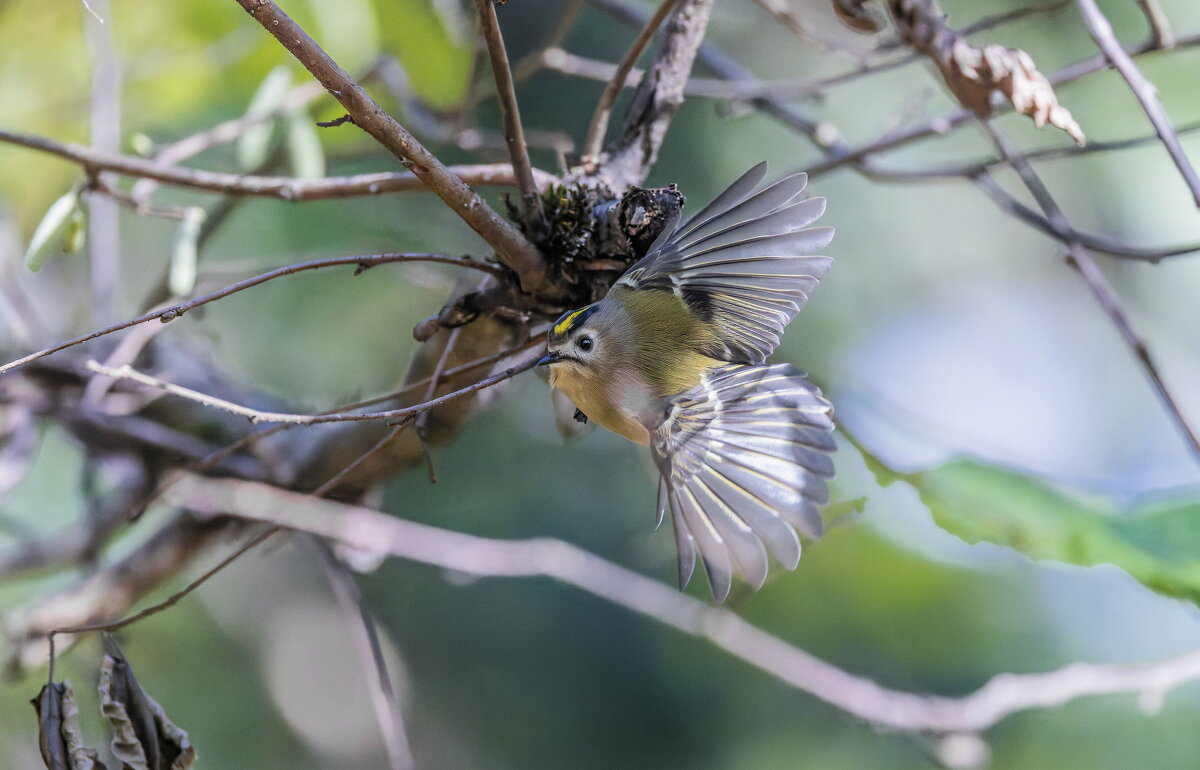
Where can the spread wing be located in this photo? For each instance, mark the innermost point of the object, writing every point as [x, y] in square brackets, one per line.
[744, 263]
[744, 459]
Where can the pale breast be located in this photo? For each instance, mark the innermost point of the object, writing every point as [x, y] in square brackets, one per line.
[621, 407]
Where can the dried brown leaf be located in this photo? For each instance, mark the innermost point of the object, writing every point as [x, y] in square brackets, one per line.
[972, 74]
[143, 737]
[855, 15]
[60, 737]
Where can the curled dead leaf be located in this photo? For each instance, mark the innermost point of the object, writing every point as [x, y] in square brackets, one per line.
[60, 737]
[143, 737]
[972, 74]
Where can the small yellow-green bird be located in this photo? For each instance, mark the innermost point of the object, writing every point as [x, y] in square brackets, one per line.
[673, 357]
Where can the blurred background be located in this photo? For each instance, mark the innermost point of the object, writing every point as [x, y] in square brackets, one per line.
[945, 330]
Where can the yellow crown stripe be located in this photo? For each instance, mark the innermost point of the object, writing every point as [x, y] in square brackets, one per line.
[566, 324]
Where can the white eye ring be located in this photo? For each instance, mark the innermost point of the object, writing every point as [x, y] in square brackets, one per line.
[584, 343]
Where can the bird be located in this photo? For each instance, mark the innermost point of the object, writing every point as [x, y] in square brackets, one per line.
[674, 357]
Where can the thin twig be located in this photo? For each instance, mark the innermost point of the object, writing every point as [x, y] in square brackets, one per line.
[599, 124]
[1160, 26]
[1082, 261]
[435, 379]
[370, 655]
[245, 442]
[1001, 696]
[1010, 205]
[512, 248]
[1143, 89]
[394, 416]
[174, 311]
[659, 96]
[510, 115]
[190, 146]
[291, 189]
[174, 598]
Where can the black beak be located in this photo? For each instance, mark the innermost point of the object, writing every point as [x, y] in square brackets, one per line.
[549, 358]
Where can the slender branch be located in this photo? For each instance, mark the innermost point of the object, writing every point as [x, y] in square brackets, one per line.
[599, 125]
[1001, 696]
[567, 63]
[1010, 205]
[370, 655]
[1160, 26]
[190, 146]
[510, 115]
[511, 247]
[174, 311]
[1082, 261]
[174, 598]
[284, 188]
[216, 457]
[1143, 89]
[258, 416]
[659, 96]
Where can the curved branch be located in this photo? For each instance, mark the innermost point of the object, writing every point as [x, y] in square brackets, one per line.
[392, 416]
[1143, 89]
[1001, 696]
[174, 311]
[511, 247]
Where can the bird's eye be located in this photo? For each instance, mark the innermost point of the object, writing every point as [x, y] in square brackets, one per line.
[584, 344]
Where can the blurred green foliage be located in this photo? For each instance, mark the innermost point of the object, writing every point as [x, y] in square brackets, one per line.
[526, 673]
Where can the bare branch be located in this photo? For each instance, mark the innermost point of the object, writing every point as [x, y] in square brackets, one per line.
[599, 124]
[258, 416]
[1160, 26]
[284, 188]
[658, 97]
[174, 311]
[1143, 89]
[358, 527]
[174, 598]
[514, 132]
[1082, 261]
[108, 593]
[1010, 205]
[370, 655]
[511, 247]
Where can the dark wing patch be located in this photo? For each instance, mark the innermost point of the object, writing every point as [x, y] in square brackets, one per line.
[744, 459]
[744, 263]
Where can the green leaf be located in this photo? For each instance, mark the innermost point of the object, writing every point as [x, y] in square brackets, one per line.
[48, 234]
[75, 235]
[1157, 543]
[255, 143]
[181, 276]
[304, 146]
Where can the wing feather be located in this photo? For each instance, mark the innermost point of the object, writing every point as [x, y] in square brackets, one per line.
[745, 263]
[743, 457]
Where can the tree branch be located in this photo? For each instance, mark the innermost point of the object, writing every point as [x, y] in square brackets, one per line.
[1143, 89]
[658, 97]
[174, 311]
[358, 527]
[514, 132]
[292, 189]
[599, 124]
[258, 416]
[511, 247]
[1082, 261]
